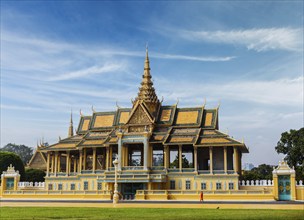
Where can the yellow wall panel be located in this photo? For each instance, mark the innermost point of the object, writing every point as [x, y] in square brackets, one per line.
[103, 121]
[188, 117]
[165, 115]
[214, 140]
[124, 116]
[85, 125]
[208, 120]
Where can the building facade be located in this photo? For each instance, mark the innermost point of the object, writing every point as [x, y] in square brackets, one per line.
[158, 147]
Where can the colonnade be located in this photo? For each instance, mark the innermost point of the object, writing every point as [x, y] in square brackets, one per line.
[76, 161]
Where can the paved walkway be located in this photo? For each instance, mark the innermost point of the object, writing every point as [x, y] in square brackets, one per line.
[295, 205]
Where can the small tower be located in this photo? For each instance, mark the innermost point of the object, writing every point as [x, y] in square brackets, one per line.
[146, 92]
[71, 130]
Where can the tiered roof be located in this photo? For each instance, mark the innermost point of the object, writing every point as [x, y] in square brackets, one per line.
[167, 125]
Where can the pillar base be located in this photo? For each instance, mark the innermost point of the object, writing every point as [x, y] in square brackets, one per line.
[115, 197]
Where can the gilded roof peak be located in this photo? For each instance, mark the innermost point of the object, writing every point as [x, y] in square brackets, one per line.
[146, 91]
[71, 131]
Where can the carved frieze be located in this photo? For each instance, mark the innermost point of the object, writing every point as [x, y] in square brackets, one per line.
[137, 129]
[139, 117]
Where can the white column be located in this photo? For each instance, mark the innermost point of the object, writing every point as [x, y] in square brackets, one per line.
[84, 158]
[53, 162]
[119, 135]
[67, 163]
[80, 161]
[48, 164]
[180, 158]
[56, 163]
[107, 157]
[225, 159]
[166, 157]
[195, 157]
[146, 149]
[59, 162]
[211, 159]
[235, 159]
[94, 159]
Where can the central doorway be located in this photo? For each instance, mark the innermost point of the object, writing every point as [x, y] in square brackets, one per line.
[128, 190]
[135, 156]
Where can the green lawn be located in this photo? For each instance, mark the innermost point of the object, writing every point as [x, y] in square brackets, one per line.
[144, 213]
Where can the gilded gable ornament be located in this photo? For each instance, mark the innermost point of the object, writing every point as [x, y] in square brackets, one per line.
[139, 117]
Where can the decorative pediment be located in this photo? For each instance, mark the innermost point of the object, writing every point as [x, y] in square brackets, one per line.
[38, 161]
[140, 115]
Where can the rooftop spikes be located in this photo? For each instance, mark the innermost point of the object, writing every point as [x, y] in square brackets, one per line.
[146, 91]
[71, 130]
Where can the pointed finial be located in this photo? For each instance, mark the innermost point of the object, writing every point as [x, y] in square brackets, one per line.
[93, 110]
[147, 63]
[219, 104]
[70, 132]
[162, 99]
[59, 138]
[205, 101]
[117, 105]
[177, 101]
[80, 112]
[243, 140]
[71, 119]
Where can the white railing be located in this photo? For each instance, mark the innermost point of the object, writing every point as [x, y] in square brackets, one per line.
[196, 192]
[263, 183]
[57, 192]
[256, 183]
[38, 185]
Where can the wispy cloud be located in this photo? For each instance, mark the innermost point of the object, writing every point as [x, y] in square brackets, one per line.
[280, 92]
[193, 58]
[106, 68]
[263, 39]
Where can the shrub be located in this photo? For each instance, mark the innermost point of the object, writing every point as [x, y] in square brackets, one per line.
[34, 175]
[7, 158]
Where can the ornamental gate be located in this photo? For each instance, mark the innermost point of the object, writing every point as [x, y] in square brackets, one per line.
[10, 184]
[284, 187]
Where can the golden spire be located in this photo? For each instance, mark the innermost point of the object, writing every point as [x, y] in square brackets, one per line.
[71, 131]
[146, 91]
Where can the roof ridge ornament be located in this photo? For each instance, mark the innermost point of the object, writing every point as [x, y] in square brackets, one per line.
[117, 106]
[177, 101]
[219, 104]
[93, 110]
[205, 101]
[71, 130]
[147, 92]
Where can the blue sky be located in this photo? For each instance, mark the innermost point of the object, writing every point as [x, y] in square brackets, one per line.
[57, 56]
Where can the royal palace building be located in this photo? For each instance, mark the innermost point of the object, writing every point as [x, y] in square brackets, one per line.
[158, 147]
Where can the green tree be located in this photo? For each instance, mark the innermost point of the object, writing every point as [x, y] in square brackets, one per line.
[291, 144]
[7, 158]
[185, 162]
[34, 175]
[23, 151]
[262, 172]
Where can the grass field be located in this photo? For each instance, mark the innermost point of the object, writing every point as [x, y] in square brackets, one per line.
[144, 213]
